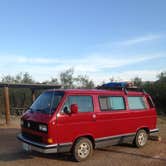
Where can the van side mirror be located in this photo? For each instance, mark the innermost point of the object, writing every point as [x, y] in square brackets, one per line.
[74, 108]
[66, 110]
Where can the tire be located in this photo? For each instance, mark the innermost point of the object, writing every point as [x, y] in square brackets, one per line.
[141, 138]
[82, 149]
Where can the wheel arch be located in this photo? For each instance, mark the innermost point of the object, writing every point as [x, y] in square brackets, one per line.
[144, 128]
[88, 136]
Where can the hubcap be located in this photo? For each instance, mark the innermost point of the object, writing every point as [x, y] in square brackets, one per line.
[83, 150]
[142, 139]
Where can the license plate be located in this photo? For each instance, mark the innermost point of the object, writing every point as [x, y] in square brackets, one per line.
[26, 147]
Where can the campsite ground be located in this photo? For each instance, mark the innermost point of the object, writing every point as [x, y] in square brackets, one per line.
[153, 154]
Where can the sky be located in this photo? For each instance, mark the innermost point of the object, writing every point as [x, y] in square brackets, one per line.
[98, 38]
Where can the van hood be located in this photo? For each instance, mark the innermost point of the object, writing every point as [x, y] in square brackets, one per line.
[37, 117]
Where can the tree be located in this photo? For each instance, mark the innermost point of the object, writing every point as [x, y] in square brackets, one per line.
[84, 82]
[27, 79]
[53, 81]
[162, 77]
[19, 78]
[157, 90]
[137, 81]
[8, 79]
[67, 79]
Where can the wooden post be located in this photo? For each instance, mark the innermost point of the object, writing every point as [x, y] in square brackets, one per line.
[7, 104]
[0, 110]
[33, 95]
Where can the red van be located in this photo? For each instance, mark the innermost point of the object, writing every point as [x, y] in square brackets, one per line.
[79, 121]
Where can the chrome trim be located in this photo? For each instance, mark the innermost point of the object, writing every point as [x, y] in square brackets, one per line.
[66, 144]
[154, 130]
[21, 138]
[115, 136]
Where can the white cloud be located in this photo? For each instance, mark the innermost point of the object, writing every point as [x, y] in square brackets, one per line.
[90, 63]
[133, 41]
[138, 40]
[93, 65]
[27, 60]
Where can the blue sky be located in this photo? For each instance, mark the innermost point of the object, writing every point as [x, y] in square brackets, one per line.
[98, 38]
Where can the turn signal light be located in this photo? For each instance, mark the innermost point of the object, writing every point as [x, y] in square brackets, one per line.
[50, 140]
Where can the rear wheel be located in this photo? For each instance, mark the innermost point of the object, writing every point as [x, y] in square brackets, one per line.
[141, 138]
[82, 149]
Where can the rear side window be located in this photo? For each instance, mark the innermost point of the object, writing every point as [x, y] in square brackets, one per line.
[136, 103]
[84, 103]
[111, 103]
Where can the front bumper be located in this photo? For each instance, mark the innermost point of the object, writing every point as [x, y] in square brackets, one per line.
[39, 147]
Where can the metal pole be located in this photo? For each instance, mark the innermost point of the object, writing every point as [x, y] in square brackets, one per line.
[7, 104]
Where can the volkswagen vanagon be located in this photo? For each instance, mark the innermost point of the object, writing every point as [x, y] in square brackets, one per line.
[78, 121]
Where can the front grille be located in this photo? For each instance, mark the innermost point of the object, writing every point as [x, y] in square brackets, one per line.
[32, 137]
[31, 125]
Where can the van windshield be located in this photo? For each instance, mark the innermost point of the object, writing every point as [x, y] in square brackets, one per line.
[47, 102]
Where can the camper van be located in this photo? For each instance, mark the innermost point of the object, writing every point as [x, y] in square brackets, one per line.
[79, 120]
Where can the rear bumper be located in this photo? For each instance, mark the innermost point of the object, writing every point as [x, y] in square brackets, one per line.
[39, 147]
[153, 131]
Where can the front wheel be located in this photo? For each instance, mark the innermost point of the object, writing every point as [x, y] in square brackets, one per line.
[141, 138]
[82, 149]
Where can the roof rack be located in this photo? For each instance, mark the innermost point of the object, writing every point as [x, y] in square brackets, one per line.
[124, 86]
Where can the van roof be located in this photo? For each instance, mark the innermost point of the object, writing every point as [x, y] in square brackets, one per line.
[98, 91]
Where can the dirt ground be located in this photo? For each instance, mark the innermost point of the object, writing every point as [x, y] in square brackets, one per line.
[153, 154]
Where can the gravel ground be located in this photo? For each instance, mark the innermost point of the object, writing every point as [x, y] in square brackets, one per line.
[153, 154]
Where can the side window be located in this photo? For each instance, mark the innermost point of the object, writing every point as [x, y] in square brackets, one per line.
[108, 103]
[84, 103]
[136, 103]
[103, 103]
[116, 103]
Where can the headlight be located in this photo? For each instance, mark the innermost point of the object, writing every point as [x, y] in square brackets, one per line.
[43, 127]
[21, 122]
